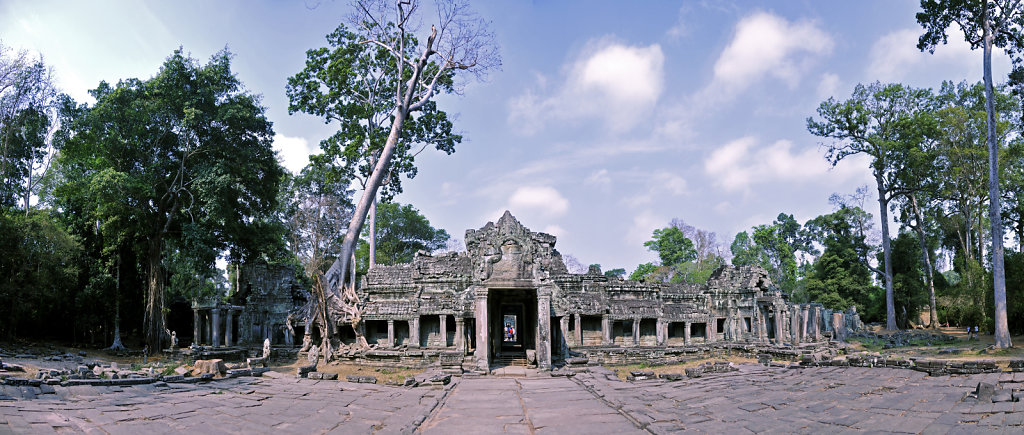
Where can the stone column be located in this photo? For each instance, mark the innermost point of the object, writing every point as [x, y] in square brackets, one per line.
[686, 333]
[778, 325]
[762, 324]
[563, 325]
[543, 329]
[816, 331]
[482, 346]
[414, 332]
[444, 329]
[391, 333]
[197, 327]
[711, 331]
[215, 324]
[661, 332]
[804, 317]
[606, 330]
[579, 329]
[837, 326]
[460, 334]
[227, 328]
[794, 324]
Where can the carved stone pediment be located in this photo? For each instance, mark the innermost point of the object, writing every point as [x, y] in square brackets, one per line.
[508, 251]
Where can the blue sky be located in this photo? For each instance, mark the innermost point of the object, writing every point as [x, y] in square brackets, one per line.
[607, 119]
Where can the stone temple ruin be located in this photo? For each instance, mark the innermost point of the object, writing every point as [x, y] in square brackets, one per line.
[510, 300]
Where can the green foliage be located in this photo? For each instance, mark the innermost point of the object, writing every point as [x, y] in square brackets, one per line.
[909, 290]
[672, 246]
[354, 83]
[643, 271]
[744, 251]
[27, 112]
[617, 272]
[39, 264]
[1015, 291]
[181, 162]
[401, 232]
[839, 277]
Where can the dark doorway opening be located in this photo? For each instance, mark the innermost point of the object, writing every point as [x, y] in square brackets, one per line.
[513, 324]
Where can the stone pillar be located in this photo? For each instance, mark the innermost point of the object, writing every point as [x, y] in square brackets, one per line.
[391, 333]
[460, 334]
[778, 325]
[414, 332]
[215, 325]
[804, 318]
[197, 326]
[636, 331]
[482, 345]
[762, 324]
[444, 329]
[543, 329]
[686, 333]
[711, 331]
[606, 330]
[227, 328]
[816, 330]
[794, 324]
[661, 329]
[563, 325]
[579, 329]
[837, 326]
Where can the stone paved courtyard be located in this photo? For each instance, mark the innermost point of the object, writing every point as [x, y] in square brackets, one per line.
[753, 399]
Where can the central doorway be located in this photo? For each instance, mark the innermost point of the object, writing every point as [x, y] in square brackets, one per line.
[514, 328]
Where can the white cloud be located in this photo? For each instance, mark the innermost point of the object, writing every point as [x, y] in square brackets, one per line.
[828, 86]
[554, 230]
[643, 225]
[739, 164]
[598, 178]
[293, 152]
[766, 45]
[540, 200]
[895, 57]
[612, 82]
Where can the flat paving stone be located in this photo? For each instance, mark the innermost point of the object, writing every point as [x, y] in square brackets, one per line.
[755, 399]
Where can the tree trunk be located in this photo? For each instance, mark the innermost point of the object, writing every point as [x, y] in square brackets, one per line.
[926, 256]
[154, 319]
[1002, 332]
[372, 261]
[117, 345]
[883, 205]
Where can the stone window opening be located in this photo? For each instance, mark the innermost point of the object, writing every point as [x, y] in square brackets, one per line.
[720, 326]
[698, 330]
[676, 334]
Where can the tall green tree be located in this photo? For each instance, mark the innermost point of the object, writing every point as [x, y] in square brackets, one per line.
[880, 121]
[986, 24]
[353, 83]
[28, 113]
[402, 231]
[182, 160]
[672, 246]
[839, 277]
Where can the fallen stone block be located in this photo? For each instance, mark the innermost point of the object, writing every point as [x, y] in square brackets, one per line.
[302, 371]
[672, 376]
[369, 379]
[984, 392]
[239, 372]
[1002, 396]
[694, 372]
[577, 361]
[253, 362]
[209, 366]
